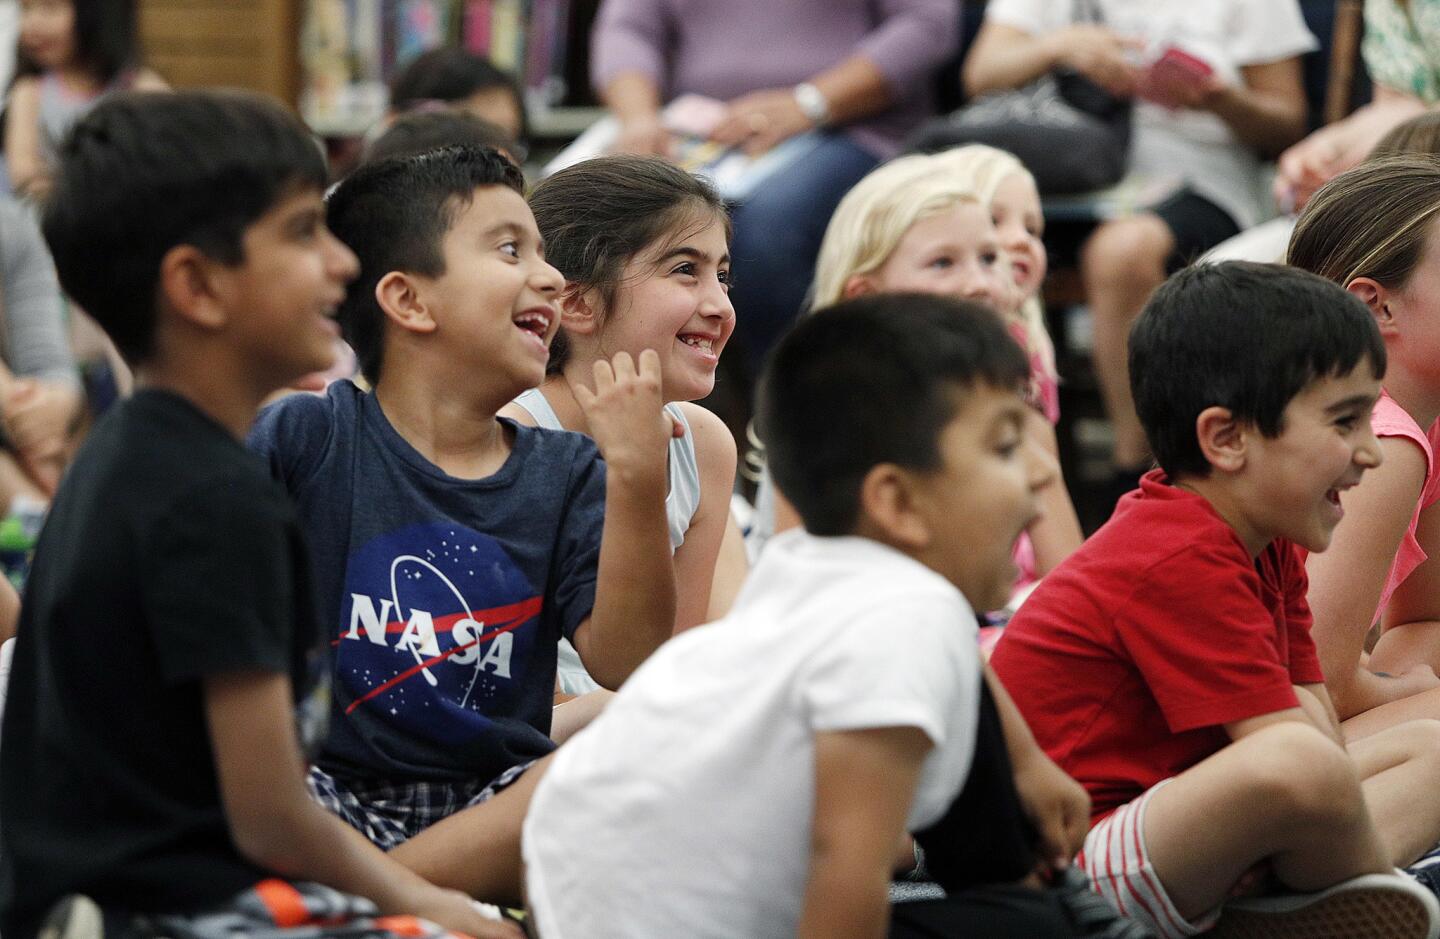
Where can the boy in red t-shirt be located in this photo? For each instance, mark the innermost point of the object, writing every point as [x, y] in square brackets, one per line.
[1167, 665]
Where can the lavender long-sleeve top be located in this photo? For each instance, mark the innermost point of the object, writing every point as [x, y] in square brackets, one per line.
[725, 48]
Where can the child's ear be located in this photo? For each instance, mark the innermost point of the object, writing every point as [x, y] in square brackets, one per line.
[1222, 439]
[399, 298]
[888, 508]
[189, 285]
[579, 311]
[858, 285]
[1374, 295]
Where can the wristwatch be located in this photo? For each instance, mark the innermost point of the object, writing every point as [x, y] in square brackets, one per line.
[812, 104]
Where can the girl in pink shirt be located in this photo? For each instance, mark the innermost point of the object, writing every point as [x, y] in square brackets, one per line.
[1372, 230]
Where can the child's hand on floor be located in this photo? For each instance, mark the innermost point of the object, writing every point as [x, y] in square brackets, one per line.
[1059, 807]
[627, 416]
[458, 913]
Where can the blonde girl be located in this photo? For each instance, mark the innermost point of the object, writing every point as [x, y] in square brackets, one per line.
[921, 224]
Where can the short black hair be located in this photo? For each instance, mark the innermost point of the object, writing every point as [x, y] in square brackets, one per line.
[869, 381]
[1242, 336]
[451, 74]
[394, 215]
[146, 171]
[104, 40]
[423, 131]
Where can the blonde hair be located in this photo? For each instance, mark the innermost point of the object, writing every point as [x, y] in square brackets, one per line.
[986, 168]
[874, 215]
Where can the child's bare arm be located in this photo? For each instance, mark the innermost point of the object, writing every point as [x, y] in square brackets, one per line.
[695, 560]
[275, 824]
[864, 784]
[1057, 804]
[635, 587]
[1346, 580]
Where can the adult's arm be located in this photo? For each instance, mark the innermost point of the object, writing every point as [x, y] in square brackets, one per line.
[1266, 109]
[911, 39]
[629, 48]
[1005, 56]
[1335, 148]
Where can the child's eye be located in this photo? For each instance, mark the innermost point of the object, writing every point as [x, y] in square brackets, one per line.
[989, 258]
[723, 276]
[944, 262]
[511, 248]
[686, 269]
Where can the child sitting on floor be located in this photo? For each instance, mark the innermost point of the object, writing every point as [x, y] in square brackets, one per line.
[1167, 664]
[165, 689]
[644, 247]
[455, 548]
[755, 776]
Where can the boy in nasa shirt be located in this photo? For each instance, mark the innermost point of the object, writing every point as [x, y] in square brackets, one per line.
[453, 549]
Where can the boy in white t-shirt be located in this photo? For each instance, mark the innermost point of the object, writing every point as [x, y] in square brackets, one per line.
[754, 777]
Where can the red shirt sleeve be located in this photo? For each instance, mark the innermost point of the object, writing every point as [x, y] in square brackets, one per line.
[1199, 631]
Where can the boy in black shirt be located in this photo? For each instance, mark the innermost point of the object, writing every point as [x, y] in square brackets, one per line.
[166, 678]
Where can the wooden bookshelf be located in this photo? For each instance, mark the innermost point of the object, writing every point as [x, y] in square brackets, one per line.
[241, 43]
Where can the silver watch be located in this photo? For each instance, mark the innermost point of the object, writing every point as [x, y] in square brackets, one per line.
[812, 104]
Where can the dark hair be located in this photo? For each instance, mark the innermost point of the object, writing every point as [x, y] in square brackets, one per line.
[597, 215]
[104, 39]
[869, 381]
[450, 74]
[423, 131]
[394, 215]
[1245, 337]
[144, 172]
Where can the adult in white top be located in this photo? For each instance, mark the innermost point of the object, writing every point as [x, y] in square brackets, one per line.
[1252, 106]
[685, 808]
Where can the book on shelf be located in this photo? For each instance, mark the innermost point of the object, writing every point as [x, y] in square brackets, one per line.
[352, 49]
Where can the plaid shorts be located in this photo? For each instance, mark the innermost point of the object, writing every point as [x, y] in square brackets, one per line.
[391, 813]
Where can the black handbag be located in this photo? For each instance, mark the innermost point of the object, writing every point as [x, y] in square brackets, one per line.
[1072, 134]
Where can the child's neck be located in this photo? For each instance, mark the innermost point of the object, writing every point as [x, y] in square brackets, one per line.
[1229, 504]
[227, 402]
[559, 392]
[459, 435]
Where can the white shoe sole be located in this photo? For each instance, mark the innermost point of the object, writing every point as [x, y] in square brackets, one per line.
[75, 917]
[1375, 906]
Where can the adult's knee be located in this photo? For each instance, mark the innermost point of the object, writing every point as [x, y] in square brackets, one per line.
[1124, 252]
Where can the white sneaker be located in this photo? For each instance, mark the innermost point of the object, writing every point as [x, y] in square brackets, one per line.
[1374, 906]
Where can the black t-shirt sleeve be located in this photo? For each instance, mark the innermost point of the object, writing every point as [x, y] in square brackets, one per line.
[218, 585]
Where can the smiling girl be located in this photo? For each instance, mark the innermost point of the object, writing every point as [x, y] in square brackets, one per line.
[644, 248]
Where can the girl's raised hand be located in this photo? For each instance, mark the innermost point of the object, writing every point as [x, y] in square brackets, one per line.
[626, 414]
